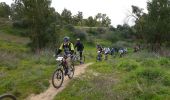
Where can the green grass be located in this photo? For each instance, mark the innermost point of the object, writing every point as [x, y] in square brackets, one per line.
[13, 31]
[137, 76]
[26, 75]
[11, 46]
[22, 72]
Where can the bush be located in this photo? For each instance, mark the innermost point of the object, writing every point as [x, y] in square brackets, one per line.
[113, 37]
[69, 27]
[80, 34]
[111, 28]
[92, 31]
[101, 30]
[90, 40]
[120, 44]
[20, 23]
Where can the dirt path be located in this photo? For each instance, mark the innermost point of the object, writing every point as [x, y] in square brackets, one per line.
[51, 92]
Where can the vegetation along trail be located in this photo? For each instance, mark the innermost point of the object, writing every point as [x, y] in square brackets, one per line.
[51, 92]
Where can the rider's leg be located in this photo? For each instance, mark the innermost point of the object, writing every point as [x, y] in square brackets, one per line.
[68, 60]
[80, 54]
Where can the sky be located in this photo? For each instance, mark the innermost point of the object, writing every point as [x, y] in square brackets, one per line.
[117, 10]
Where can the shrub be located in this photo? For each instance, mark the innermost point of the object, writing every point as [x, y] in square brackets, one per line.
[80, 34]
[69, 27]
[90, 40]
[101, 30]
[119, 44]
[20, 23]
[92, 31]
[113, 37]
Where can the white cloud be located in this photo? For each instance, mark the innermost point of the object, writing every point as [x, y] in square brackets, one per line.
[116, 9]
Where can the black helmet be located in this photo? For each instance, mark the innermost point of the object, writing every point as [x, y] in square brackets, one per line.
[66, 39]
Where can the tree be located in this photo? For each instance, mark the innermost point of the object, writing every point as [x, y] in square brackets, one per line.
[40, 16]
[80, 18]
[158, 21]
[90, 21]
[154, 27]
[66, 16]
[98, 18]
[17, 11]
[4, 10]
[102, 20]
[106, 21]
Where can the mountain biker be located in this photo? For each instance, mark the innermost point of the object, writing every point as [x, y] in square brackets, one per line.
[80, 47]
[99, 52]
[121, 52]
[106, 52]
[112, 51]
[99, 48]
[68, 48]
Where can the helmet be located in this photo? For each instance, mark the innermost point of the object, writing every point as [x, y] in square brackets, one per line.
[78, 39]
[66, 39]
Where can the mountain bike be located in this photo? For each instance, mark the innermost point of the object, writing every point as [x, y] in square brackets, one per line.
[76, 58]
[61, 71]
[7, 97]
[99, 56]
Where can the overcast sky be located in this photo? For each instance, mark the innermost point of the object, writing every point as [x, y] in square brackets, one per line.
[117, 10]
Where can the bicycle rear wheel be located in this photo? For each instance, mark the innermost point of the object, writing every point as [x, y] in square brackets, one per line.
[57, 78]
[7, 97]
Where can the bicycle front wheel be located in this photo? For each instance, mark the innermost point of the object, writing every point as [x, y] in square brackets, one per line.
[57, 78]
[7, 97]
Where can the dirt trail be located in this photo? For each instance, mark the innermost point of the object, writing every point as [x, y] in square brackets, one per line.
[51, 92]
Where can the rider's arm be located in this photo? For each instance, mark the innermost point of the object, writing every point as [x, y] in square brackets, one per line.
[72, 48]
[60, 49]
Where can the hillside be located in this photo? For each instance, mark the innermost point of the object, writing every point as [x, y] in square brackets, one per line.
[143, 75]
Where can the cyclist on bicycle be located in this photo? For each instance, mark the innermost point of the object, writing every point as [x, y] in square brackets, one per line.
[99, 48]
[99, 52]
[68, 48]
[80, 47]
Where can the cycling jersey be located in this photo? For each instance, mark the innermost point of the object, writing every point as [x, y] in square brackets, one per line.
[68, 48]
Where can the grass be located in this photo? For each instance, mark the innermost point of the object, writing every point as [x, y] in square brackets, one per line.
[137, 76]
[22, 72]
[13, 31]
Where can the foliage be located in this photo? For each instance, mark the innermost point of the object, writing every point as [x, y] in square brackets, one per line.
[80, 34]
[154, 26]
[4, 10]
[41, 20]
